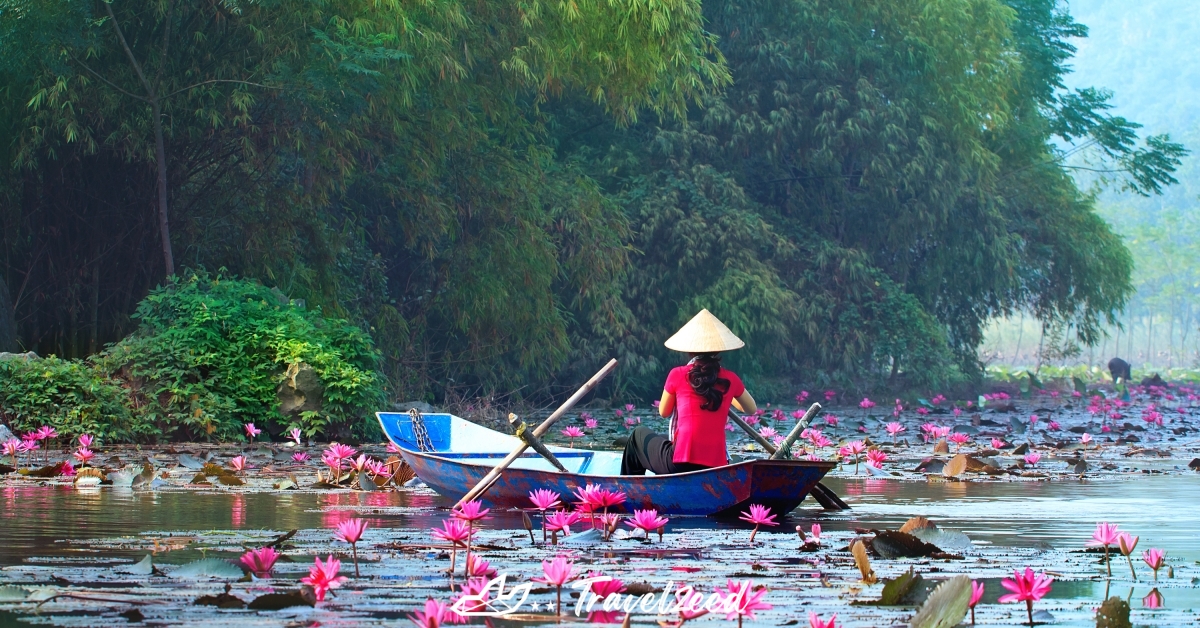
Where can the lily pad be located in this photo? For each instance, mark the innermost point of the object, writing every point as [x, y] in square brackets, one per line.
[191, 462]
[895, 591]
[143, 567]
[947, 540]
[13, 594]
[276, 601]
[946, 606]
[207, 568]
[122, 479]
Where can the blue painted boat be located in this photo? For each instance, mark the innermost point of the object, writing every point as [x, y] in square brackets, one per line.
[453, 454]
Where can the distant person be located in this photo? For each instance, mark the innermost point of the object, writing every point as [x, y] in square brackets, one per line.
[1119, 368]
[700, 393]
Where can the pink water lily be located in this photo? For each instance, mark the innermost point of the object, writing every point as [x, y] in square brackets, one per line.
[768, 432]
[85, 440]
[479, 568]
[852, 448]
[84, 455]
[572, 433]
[959, 438]
[300, 457]
[323, 576]
[759, 515]
[1155, 559]
[1127, 542]
[894, 428]
[1085, 438]
[647, 520]
[815, 621]
[457, 533]
[252, 431]
[1027, 587]
[866, 403]
[543, 500]
[46, 432]
[815, 533]
[260, 561]
[239, 463]
[876, 458]
[433, 616]
[741, 600]
[976, 595]
[351, 531]
[294, 435]
[557, 572]
[12, 447]
[1106, 535]
[590, 423]
[1032, 458]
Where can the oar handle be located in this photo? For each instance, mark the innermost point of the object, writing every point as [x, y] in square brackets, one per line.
[796, 431]
[491, 477]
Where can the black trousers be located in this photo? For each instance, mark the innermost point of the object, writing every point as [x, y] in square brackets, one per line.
[649, 451]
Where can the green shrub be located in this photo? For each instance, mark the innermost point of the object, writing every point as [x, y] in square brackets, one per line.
[210, 353]
[71, 395]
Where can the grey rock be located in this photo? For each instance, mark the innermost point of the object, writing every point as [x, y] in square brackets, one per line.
[300, 391]
[5, 433]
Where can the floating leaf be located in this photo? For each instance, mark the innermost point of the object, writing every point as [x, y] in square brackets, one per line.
[859, 549]
[956, 467]
[221, 600]
[946, 606]
[1080, 386]
[228, 479]
[277, 601]
[200, 478]
[942, 447]
[894, 591]
[889, 545]
[945, 539]
[122, 479]
[13, 594]
[191, 462]
[207, 568]
[143, 567]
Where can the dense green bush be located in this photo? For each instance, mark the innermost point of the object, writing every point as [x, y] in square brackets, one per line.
[71, 395]
[207, 357]
[210, 352]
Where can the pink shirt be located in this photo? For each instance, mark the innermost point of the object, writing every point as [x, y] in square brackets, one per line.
[700, 434]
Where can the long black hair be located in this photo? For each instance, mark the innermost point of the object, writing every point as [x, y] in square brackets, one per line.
[703, 376]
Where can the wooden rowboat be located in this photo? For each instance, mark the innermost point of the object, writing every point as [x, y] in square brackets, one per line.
[451, 455]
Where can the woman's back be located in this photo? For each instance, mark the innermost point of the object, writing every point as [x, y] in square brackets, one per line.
[700, 433]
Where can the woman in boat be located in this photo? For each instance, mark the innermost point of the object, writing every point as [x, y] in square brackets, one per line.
[699, 393]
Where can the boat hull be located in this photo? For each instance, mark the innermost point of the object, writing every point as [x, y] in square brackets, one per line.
[452, 455]
[780, 485]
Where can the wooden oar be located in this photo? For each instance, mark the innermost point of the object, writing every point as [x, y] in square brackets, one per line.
[545, 426]
[796, 431]
[823, 494]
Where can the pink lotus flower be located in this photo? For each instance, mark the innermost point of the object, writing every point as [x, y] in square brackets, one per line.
[252, 431]
[360, 463]
[957, 412]
[434, 615]
[561, 521]
[1032, 458]
[457, 533]
[741, 601]
[629, 422]
[647, 520]
[294, 434]
[12, 447]
[829, 395]
[629, 407]
[1085, 438]
[1106, 534]
[959, 438]
[1155, 559]
[852, 448]
[323, 576]
[802, 396]
[923, 411]
[976, 595]
[1054, 425]
[587, 498]
[815, 621]
[66, 468]
[1028, 587]
[471, 511]
[544, 499]
[84, 455]
[590, 423]
[937, 399]
[831, 421]
[479, 568]
[300, 457]
[377, 468]
[866, 404]
[606, 498]
[341, 452]
[1126, 542]
[239, 463]
[557, 572]
[572, 433]
[875, 458]
[768, 433]
[759, 515]
[260, 561]
[85, 440]
[1033, 420]
[392, 448]
[1105, 428]
[815, 533]
[894, 428]
[1076, 394]
[46, 432]
[30, 444]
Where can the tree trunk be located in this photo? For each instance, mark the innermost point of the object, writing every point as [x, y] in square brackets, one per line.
[160, 156]
[8, 323]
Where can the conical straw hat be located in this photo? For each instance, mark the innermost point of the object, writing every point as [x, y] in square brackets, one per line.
[704, 334]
